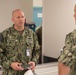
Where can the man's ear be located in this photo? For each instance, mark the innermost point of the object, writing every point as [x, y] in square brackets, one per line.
[12, 19]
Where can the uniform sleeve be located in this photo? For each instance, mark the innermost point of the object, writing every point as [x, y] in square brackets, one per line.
[68, 55]
[4, 61]
[36, 50]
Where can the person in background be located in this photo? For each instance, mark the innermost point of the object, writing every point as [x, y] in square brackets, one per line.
[19, 47]
[67, 59]
[39, 35]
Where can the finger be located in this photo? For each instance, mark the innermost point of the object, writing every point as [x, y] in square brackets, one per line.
[19, 67]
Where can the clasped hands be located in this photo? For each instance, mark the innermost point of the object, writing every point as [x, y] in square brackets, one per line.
[17, 65]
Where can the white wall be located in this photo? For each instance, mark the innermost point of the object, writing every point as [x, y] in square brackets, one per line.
[57, 22]
[6, 8]
[37, 3]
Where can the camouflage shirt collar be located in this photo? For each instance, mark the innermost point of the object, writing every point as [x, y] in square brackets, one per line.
[15, 32]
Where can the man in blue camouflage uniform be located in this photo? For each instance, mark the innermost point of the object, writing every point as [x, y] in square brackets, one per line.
[18, 47]
[67, 59]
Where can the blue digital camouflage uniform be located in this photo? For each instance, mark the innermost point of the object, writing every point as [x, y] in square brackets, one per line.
[14, 47]
[68, 55]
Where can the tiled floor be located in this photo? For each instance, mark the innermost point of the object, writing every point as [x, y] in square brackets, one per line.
[47, 69]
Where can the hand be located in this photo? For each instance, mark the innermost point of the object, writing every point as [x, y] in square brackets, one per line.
[16, 66]
[32, 65]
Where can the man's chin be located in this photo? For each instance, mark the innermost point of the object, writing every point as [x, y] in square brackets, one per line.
[21, 25]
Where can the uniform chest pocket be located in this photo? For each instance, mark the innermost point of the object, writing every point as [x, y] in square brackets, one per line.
[30, 42]
[11, 41]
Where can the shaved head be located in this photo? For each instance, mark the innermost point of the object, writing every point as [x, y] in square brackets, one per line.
[17, 10]
[75, 13]
[75, 8]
